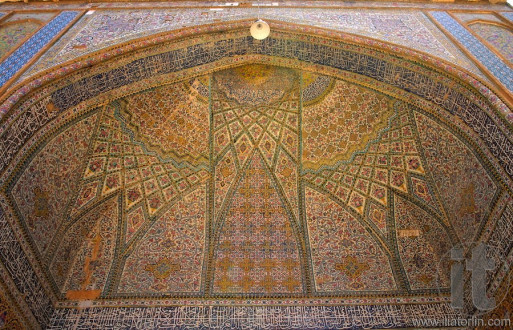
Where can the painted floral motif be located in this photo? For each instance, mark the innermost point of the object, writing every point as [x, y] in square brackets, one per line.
[463, 182]
[12, 34]
[43, 190]
[172, 121]
[169, 257]
[422, 244]
[93, 260]
[78, 240]
[345, 121]
[249, 217]
[498, 36]
[344, 256]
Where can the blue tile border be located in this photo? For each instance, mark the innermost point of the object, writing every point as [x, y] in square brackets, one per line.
[508, 15]
[493, 63]
[31, 47]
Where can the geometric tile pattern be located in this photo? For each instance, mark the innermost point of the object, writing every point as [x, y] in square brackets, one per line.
[169, 258]
[257, 169]
[257, 250]
[360, 115]
[493, 63]
[256, 110]
[390, 162]
[171, 118]
[344, 257]
[31, 47]
[228, 184]
[120, 163]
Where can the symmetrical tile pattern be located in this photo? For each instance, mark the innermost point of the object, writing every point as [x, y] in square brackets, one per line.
[146, 221]
[199, 186]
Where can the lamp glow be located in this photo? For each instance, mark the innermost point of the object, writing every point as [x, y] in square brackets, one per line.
[260, 30]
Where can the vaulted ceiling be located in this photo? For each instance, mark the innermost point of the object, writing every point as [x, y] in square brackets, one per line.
[257, 180]
[215, 169]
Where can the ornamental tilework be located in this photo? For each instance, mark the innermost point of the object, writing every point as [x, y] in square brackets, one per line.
[464, 185]
[344, 257]
[12, 64]
[467, 17]
[417, 83]
[121, 162]
[498, 36]
[21, 272]
[76, 239]
[12, 34]
[259, 317]
[256, 192]
[493, 63]
[360, 115]
[257, 250]
[169, 258]
[422, 243]
[173, 119]
[9, 317]
[107, 28]
[391, 161]
[92, 261]
[256, 108]
[43, 190]
[500, 239]
[324, 4]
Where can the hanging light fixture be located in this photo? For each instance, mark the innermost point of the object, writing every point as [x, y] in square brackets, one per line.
[260, 29]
